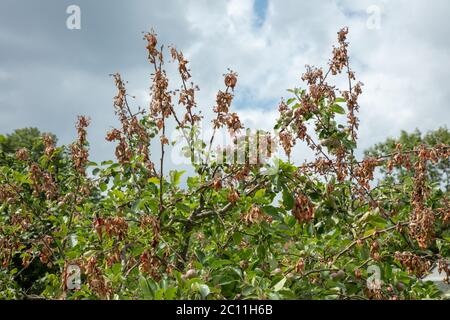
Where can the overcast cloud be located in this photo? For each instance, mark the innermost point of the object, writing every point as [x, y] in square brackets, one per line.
[50, 74]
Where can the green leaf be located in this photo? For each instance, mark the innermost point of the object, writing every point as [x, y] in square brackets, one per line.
[116, 268]
[153, 180]
[175, 176]
[139, 204]
[290, 100]
[103, 186]
[260, 193]
[377, 221]
[279, 285]
[183, 207]
[337, 109]
[259, 196]
[220, 263]
[369, 232]
[270, 210]
[248, 291]
[170, 293]
[192, 182]
[288, 200]
[92, 164]
[349, 144]
[105, 163]
[204, 290]
[148, 287]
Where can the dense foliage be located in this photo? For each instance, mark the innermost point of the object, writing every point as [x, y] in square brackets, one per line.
[29, 138]
[246, 224]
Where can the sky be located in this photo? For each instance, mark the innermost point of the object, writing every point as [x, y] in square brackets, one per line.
[49, 73]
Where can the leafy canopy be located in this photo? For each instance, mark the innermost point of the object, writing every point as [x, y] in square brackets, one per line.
[246, 225]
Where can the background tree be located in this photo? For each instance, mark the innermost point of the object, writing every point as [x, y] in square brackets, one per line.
[29, 143]
[28, 138]
[438, 173]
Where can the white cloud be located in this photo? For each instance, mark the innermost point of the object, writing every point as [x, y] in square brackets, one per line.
[404, 65]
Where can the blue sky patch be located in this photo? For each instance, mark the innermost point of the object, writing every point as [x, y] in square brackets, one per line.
[260, 8]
